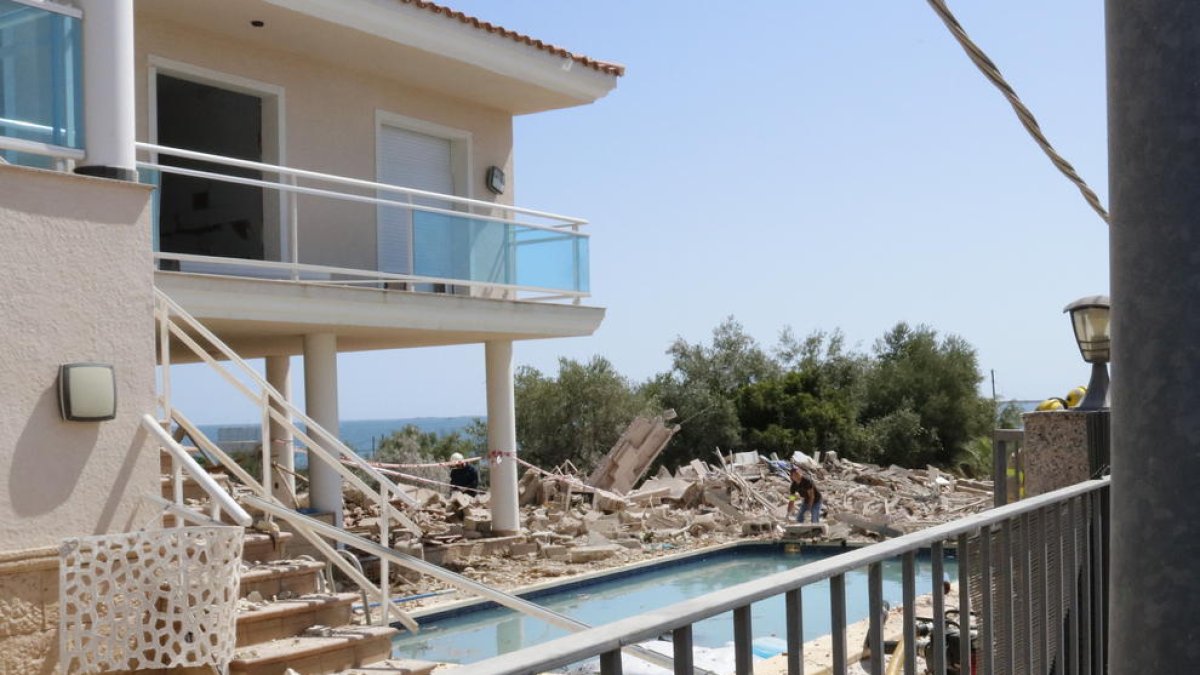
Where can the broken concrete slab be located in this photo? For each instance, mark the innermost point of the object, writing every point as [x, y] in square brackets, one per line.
[586, 554]
[637, 448]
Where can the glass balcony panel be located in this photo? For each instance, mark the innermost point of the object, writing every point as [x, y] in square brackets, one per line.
[41, 91]
[471, 249]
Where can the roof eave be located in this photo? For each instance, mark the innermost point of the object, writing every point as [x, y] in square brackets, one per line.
[436, 34]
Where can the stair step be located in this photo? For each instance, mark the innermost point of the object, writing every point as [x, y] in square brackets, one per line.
[345, 648]
[191, 489]
[394, 667]
[260, 547]
[287, 618]
[297, 577]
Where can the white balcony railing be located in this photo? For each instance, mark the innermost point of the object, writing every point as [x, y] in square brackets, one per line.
[447, 242]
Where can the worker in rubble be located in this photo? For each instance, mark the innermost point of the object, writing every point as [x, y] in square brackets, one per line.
[463, 476]
[803, 490]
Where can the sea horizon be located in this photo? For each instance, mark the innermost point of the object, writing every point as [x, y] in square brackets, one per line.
[361, 435]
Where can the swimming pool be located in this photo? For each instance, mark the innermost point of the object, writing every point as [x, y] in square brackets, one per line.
[466, 637]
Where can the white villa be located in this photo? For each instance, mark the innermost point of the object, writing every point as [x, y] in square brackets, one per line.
[221, 180]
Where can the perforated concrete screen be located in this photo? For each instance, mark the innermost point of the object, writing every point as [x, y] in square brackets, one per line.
[142, 600]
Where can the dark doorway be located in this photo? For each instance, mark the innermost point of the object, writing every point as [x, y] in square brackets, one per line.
[205, 216]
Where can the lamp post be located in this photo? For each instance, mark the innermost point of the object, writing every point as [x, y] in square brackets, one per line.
[1089, 318]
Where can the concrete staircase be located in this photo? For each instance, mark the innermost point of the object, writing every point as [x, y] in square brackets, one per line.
[287, 620]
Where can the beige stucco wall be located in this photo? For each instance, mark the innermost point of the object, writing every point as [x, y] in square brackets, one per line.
[329, 126]
[76, 286]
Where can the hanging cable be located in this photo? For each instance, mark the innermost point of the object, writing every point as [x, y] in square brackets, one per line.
[992, 73]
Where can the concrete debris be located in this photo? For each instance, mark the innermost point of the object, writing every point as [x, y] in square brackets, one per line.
[633, 453]
[570, 527]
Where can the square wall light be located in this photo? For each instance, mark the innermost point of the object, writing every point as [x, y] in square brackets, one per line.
[87, 392]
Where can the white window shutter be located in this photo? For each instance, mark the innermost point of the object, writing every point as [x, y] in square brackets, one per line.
[413, 160]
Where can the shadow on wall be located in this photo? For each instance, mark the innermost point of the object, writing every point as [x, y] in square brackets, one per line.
[120, 484]
[49, 458]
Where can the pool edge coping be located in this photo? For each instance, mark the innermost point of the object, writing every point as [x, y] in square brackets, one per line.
[466, 606]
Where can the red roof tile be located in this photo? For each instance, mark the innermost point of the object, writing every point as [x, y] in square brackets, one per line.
[595, 64]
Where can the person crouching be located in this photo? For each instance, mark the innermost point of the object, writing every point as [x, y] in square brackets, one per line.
[804, 491]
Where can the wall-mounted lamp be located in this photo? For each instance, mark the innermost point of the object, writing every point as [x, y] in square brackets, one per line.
[1089, 317]
[87, 392]
[495, 179]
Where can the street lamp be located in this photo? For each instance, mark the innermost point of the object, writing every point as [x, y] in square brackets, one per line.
[1089, 318]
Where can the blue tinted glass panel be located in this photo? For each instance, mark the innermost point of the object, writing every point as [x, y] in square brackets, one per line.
[460, 247]
[41, 89]
[152, 177]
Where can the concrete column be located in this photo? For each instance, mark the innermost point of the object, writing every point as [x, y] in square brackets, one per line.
[502, 437]
[321, 404]
[1154, 167]
[108, 89]
[283, 483]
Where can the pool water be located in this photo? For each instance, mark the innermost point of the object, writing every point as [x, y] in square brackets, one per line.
[478, 635]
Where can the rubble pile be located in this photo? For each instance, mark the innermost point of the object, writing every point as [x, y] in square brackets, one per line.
[570, 527]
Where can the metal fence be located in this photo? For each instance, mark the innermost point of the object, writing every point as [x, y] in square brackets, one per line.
[1008, 466]
[1031, 578]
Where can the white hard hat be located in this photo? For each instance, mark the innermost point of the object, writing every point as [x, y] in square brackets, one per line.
[456, 457]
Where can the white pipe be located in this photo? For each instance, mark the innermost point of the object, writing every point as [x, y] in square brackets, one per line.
[356, 182]
[205, 481]
[321, 404]
[456, 580]
[108, 89]
[344, 196]
[331, 440]
[325, 549]
[502, 436]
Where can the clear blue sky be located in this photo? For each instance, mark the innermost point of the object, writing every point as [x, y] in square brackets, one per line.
[814, 164]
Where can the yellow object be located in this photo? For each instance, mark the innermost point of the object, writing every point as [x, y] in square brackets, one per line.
[895, 664]
[1075, 396]
[1051, 404]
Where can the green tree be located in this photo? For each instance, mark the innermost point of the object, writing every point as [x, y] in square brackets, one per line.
[410, 445]
[702, 388]
[935, 379]
[576, 416]
[812, 406]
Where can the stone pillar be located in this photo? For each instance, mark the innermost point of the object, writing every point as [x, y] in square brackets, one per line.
[283, 483]
[1154, 165]
[502, 437]
[108, 90]
[321, 404]
[1062, 448]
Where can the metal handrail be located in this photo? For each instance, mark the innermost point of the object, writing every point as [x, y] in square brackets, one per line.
[567, 221]
[456, 580]
[218, 495]
[608, 638]
[215, 454]
[335, 444]
[38, 148]
[274, 406]
[285, 180]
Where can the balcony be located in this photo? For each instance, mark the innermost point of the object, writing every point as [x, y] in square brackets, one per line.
[225, 216]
